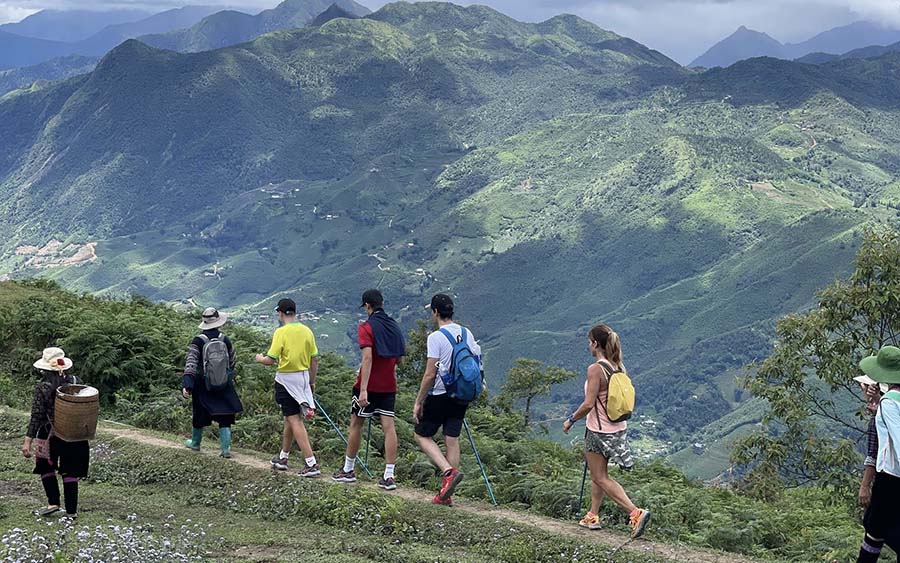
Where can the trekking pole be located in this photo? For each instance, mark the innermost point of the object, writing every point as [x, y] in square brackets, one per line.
[581, 495]
[481, 465]
[341, 434]
[368, 440]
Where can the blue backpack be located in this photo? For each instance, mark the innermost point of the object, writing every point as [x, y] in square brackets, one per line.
[463, 381]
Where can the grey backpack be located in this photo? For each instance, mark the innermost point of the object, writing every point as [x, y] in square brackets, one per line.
[216, 363]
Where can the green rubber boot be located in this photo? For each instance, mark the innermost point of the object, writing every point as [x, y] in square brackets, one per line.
[196, 438]
[225, 442]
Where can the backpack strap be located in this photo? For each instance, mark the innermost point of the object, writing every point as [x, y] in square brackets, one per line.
[608, 370]
[449, 336]
[206, 341]
[453, 343]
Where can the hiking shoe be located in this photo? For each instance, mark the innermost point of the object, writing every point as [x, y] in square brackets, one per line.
[639, 519]
[344, 476]
[280, 463]
[48, 511]
[387, 484]
[449, 483]
[441, 501]
[310, 471]
[590, 521]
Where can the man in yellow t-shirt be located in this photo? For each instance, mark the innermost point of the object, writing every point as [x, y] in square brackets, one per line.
[295, 353]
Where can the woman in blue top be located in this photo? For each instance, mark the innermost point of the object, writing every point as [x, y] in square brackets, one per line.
[882, 519]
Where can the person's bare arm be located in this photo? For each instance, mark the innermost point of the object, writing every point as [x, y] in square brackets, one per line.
[265, 360]
[865, 486]
[427, 384]
[313, 372]
[595, 382]
[365, 372]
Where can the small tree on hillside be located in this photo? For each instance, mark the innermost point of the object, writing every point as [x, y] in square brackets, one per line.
[409, 372]
[528, 379]
[815, 413]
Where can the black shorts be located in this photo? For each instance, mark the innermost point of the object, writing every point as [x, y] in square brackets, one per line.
[380, 404]
[441, 411]
[882, 519]
[69, 459]
[289, 405]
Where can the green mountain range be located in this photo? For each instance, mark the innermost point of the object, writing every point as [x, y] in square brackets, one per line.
[70, 25]
[746, 43]
[229, 27]
[549, 175]
[31, 43]
[53, 69]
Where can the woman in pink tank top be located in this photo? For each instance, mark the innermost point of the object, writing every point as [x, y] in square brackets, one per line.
[604, 440]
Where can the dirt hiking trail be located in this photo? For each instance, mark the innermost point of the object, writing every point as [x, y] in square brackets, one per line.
[617, 540]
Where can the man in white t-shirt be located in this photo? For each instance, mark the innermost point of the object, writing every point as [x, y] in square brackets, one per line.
[434, 409]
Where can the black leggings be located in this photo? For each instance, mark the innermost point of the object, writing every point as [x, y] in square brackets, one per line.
[882, 520]
[70, 487]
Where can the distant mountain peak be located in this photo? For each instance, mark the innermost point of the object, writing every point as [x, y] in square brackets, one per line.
[744, 43]
[332, 13]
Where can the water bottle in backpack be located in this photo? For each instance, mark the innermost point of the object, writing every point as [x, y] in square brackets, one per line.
[463, 381]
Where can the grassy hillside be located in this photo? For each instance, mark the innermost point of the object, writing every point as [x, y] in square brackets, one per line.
[132, 351]
[550, 175]
[175, 506]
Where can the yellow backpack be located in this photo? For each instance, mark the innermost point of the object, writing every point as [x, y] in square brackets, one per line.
[620, 394]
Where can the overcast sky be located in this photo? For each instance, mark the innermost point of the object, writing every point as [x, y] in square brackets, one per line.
[681, 29]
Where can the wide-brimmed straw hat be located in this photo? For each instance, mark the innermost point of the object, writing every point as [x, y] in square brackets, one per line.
[212, 318]
[883, 367]
[53, 359]
[866, 380]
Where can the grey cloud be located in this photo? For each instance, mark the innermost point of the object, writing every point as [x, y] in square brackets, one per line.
[681, 29]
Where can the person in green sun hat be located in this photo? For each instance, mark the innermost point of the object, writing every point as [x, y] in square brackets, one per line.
[882, 519]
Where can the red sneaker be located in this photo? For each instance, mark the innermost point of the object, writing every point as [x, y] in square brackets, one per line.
[449, 483]
[443, 502]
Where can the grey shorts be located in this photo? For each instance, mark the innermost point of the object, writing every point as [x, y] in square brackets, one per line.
[614, 447]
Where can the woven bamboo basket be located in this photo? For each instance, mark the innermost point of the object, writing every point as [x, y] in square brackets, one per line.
[76, 413]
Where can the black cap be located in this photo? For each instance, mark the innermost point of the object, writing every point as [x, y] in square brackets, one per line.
[286, 306]
[374, 298]
[443, 304]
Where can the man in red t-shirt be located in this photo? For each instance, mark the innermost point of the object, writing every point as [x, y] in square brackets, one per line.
[375, 390]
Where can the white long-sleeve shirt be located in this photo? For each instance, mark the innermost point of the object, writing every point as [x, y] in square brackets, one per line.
[887, 421]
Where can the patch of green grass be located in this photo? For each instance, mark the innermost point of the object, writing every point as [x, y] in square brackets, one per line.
[247, 513]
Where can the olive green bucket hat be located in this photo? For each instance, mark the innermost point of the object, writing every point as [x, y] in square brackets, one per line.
[884, 367]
